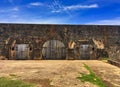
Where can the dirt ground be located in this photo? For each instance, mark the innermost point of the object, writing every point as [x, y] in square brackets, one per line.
[59, 73]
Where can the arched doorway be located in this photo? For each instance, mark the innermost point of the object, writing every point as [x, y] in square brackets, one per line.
[54, 50]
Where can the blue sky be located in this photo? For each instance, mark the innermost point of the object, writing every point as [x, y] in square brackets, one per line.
[105, 12]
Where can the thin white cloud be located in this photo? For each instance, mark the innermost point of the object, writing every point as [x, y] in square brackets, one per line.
[14, 16]
[75, 7]
[36, 4]
[115, 21]
[28, 20]
[11, 1]
[15, 9]
[9, 10]
[55, 11]
[3, 10]
[56, 7]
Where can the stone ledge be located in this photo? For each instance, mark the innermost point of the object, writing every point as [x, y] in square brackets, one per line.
[114, 63]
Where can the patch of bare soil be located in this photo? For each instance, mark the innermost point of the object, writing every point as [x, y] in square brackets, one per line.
[59, 73]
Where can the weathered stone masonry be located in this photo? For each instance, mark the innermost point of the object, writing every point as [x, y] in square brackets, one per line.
[44, 41]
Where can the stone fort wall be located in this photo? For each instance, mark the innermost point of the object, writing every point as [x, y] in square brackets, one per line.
[37, 34]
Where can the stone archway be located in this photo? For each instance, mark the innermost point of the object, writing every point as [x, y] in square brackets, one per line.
[54, 50]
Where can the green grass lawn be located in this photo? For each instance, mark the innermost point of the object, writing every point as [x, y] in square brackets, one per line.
[91, 77]
[6, 82]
